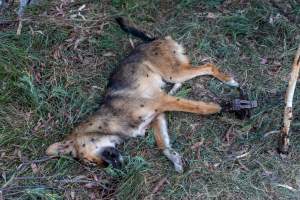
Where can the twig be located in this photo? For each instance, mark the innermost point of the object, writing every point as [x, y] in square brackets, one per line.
[9, 181]
[270, 133]
[31, 177]
[243, 155]
[20, 27]
[5, 22]
[288, 111]
[243, 166]
[80, 181]
[24, 188]
[20, 167]
[287, 187]
[43, 159]
[131, 43]
[66, 181]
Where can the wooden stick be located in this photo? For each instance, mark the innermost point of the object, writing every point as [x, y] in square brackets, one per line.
[20, 25]
[288, 114]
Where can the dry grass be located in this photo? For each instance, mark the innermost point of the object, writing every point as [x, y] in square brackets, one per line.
[55, 73]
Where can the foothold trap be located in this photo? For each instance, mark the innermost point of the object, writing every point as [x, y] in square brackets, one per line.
[240, 106]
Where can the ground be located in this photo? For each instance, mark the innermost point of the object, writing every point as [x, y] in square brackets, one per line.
[54, 75]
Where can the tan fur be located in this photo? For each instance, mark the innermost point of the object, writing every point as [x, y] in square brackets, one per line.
[134, 98]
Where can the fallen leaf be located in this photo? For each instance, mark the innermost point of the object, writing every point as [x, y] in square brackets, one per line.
[211, 15]
[37, 77]
[92, 196]
[274, 70]
[2, 154]
[91, 185]
[57, 53]
[34, 168]
[109, 54]
[60, 11]
[3, 175]
[216, 165]
[267, 173]
[277, 63]
[159, 185]
[229, 136]
[263, 61]
[273, 19]
[131, 43]
[80, 177]
[18, 153]
[78, 41]
[95, 177]
[198, 144]
[38, 125]
[72, 194]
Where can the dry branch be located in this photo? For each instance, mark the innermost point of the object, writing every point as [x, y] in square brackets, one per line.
[288, 114]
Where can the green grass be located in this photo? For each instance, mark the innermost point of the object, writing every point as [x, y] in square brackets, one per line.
[54, 75]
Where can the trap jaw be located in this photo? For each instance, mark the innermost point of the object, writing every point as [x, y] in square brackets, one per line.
[241, 106]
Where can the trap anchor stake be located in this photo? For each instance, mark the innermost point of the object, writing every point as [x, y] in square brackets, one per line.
[284, 141]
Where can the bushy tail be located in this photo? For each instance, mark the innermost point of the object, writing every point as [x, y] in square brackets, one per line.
[133, 31]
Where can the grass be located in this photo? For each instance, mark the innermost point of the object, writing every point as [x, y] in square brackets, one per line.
[54, 75]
